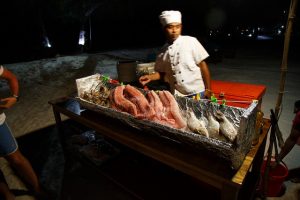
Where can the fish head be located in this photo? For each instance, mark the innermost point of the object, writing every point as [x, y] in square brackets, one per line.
[219, 115]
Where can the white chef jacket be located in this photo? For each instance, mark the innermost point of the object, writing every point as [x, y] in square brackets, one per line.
[179, 63]
[2, 115]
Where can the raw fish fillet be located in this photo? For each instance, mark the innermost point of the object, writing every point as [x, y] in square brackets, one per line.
[136, 97]
[121, 103]
[172, 108]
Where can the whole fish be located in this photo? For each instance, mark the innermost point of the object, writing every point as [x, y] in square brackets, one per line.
[196, 125]
[213, 126]
[226, 127]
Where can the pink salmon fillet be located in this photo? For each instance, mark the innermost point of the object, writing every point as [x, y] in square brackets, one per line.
[136, 97]
[121, 103]
[172, 108]
[156, 103]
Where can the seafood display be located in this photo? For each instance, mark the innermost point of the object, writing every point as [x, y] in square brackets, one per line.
[225, 130]
[160, 107]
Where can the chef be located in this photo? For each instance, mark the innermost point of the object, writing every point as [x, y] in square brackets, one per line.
[181, 61]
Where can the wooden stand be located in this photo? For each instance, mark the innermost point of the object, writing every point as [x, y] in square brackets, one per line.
[239, 184]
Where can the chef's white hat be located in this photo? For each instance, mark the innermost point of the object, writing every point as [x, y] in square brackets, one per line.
[170, 16]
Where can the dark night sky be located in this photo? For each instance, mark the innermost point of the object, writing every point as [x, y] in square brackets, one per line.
[118, 23]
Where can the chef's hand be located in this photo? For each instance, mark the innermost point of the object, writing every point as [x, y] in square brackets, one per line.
[7, 102]
[207, 94]
[144, 79]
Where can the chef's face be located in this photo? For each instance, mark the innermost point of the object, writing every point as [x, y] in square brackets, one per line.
[173, 31]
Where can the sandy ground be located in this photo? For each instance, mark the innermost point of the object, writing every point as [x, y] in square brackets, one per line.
[47, 79]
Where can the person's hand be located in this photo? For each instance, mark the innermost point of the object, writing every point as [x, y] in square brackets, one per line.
[7, 102]
[207, 94]
[144, 79]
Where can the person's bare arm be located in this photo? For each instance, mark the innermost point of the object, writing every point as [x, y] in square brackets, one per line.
[14, 87]
[206, 77]
[289, 143]
[149, 77]
[12, 81]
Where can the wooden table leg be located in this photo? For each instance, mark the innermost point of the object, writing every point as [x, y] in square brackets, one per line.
[57, 119]
[229, 192]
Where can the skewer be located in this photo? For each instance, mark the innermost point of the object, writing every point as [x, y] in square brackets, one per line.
[230, 101]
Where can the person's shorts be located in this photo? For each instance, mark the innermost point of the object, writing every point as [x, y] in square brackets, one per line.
[8, 143]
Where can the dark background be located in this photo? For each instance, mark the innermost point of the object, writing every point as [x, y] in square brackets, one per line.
[117, 24]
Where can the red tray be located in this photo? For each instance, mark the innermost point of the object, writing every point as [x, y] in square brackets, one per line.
[237, 94]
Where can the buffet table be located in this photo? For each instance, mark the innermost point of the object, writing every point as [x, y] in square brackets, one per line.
[232, 184]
